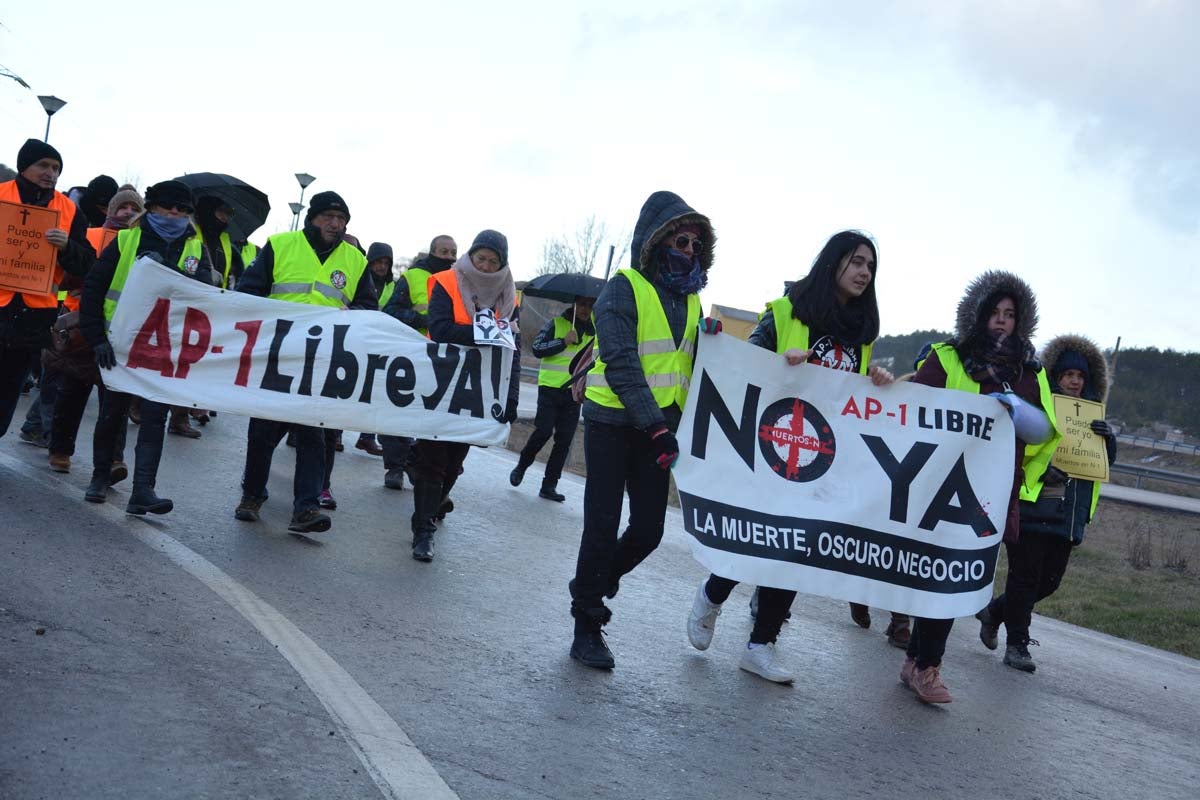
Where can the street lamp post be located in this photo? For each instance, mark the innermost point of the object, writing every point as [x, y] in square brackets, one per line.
[304, 179]
[51, 104]
[296, 209]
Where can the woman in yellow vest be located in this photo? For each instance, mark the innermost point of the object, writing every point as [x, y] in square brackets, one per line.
[479, 280]
[829, 318]
[1055, 509]
[646, 321]
[991, 353]
[166, 234]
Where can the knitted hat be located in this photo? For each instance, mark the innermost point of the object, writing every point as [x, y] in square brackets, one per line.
[492, 240]
[326, 201]
[379, 250]
[170, 193]
[1071, 359]
[33, 151]
[126, 194]
[101, 189]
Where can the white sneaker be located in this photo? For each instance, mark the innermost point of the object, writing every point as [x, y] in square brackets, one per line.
[702, 620]
[764, 662]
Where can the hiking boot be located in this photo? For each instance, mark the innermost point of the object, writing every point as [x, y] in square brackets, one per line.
[247, 510]
[34, 438]
[97, 490]
[422, 547]
[861, 615]
[550, 492]
[309, 521]
[60, 462]
[764, 662]
[179, 425]
[702, 620]
[143, 500]
[200, 415]
[906, 672]
[1017, 656]
[368, 446]
[988, 628]
[394, 479]
[590, 649]
[898, 631]
[927, 683]
[516, 476]
[118, 472]
[325, 500]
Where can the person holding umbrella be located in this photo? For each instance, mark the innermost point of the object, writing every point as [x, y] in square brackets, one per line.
[558, 343]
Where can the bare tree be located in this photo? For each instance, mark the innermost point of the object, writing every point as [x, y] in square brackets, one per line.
[582, 251]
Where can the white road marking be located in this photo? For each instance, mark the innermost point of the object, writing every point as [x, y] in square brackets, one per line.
[396, 765]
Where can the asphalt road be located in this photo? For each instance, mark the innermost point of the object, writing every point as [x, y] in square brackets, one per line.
[195, 656]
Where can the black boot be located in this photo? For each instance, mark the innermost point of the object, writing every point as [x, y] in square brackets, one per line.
[142, 499]
[588, 646]
[518, 474]
[426, 497]
[97, 490]
[550, 492]
[103, 446]
[446, 505]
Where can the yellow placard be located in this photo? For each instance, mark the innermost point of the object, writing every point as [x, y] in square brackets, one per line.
[1081, 453]
[26, 258]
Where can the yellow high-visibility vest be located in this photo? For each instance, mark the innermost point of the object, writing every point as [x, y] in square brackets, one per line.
[555, 370]
[300, 277]
[792, 334]
[127, 245]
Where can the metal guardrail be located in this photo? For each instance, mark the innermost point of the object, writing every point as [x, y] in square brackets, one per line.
[1150, 473]
[1160, 444]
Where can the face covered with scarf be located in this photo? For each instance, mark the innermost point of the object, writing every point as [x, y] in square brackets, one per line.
[678, 258]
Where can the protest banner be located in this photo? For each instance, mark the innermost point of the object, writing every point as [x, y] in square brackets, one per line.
[813, 479]
[184, 343]
[1081, 453]
[26, 258]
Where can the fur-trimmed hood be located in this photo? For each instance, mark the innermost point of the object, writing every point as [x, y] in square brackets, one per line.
[1097, 383]
[975, 303]
[661, 214]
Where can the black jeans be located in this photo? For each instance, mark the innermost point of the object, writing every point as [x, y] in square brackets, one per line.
[108, 439]
[619, 459]
[557, 416]
[69, 406]
[1036, 565]
[262, 437]
[773, 606]
[395, 451]
[927, 643]
[14, 366]
[439, 461]
[40, 416]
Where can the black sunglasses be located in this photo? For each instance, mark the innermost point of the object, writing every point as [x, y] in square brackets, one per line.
[683, 240]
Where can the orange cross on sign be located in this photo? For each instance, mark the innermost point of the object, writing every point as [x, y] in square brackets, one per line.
[26, 258]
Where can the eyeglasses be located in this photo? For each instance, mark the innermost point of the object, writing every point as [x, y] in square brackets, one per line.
[683, 240]
[182, 208]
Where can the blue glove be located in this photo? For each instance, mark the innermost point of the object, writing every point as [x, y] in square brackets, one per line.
[710, 325]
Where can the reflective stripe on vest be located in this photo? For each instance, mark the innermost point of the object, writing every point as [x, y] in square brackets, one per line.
[793, 334]
[9, 193]
[667, 368]
[555, 370]
[127, 244]
[300, 277]
[1036, 457]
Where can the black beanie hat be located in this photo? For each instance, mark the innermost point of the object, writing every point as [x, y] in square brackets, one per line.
[170, 193]
[33, 151]
[326, 201]
[492, 240]
[1070, 359]
[379, 250]
[101, 189]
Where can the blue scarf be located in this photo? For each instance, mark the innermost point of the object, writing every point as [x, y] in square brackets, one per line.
[168, 228]
[679, 274]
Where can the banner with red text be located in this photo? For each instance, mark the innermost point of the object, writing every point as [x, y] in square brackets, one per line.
[181, 342]
[813, 479]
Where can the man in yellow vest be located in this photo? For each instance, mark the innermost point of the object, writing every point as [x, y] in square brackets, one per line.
[557, 344]
[313, 266]
[647, 321]
[26, 317]
[409, 303]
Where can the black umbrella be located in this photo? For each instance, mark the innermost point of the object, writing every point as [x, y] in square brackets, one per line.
[564, 286]
[250, 206]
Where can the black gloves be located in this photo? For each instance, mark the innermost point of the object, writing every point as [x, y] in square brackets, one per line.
[664, 444]
[1100, 428]
[105, 357]
[510, 414]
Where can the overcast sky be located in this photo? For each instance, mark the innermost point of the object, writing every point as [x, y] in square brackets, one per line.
[1057, 140]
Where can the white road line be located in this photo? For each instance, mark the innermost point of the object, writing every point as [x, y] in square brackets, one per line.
[396, 765]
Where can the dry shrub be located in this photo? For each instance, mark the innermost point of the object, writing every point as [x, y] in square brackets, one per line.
[1174, 552]
[1138, 547]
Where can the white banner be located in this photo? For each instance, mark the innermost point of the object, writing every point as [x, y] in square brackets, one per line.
[813, 479]
[181, 342]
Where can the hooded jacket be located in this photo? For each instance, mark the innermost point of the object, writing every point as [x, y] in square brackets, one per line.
[973, 311]
[400, 305]
[1068, 516]
[616, 319]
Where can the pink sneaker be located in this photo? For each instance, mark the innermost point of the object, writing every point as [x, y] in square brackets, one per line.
[927, 683]
[325, 500]
[906, 672]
